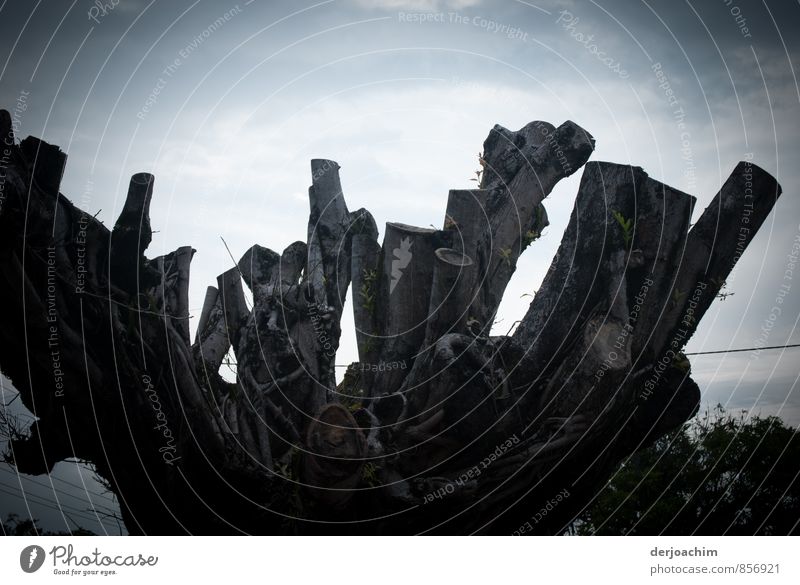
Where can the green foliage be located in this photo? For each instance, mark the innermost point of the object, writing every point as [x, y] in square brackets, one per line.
[535, 232]
[369, 345]
[286, 496]
[505, 254]
[682, 363]
[530, 237]
[676, 298]
[627, 227]
[719, 474]
[354, 406]
[367, 291]
[721, 285]
[369, 475]
[350, 390]
[284, 469]
[479, 172]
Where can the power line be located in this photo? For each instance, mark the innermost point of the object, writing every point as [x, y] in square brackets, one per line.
[43, 500]
[69, 515]
[75, 485]
[33, 499]
[692, 353]
[84, 492]
[25, 495]
[743, 349]
[82, 488]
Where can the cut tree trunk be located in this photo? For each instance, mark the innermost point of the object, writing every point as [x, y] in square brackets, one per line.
[442, 427]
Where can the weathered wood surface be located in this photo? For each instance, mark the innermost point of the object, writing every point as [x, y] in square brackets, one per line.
[442, 427]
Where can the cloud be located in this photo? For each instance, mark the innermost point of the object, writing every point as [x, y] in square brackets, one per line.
[417, 5]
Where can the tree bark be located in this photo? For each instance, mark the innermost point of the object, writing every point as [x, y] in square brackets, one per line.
[443, 428]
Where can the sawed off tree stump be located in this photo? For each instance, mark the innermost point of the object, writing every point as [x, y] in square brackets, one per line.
[442, 427]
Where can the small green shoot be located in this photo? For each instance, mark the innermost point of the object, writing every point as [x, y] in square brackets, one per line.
[627, 227]
[505, 254]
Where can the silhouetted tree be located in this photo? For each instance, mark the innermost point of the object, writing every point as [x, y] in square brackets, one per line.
[718, 474]
[14, 526]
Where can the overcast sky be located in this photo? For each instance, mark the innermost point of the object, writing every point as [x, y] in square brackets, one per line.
[402, 94]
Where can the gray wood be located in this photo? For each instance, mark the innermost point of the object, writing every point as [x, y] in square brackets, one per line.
[561, 402]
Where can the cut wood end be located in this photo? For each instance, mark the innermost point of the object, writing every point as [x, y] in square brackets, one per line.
[322, 166]
[257, 265]
[453, 257]
[230, 277]
[475, 193]
[363, 223]
[142, 179]
[579, 133]
[759, 176]
[137, 202]
[536, 132]
[318, 162]
[335, 435]
[409, 229]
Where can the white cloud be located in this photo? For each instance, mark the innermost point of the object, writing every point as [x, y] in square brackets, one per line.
[417, 5]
